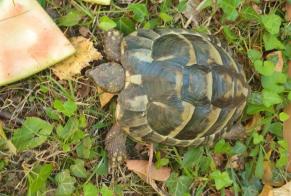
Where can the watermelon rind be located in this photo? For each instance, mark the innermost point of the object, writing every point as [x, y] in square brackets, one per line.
[30, 40]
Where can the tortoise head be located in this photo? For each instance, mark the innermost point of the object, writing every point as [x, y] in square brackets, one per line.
[110, 77]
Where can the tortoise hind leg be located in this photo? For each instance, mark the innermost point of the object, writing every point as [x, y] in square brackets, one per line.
[115, 145]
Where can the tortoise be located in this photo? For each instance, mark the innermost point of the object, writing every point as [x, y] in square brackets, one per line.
[174, 86]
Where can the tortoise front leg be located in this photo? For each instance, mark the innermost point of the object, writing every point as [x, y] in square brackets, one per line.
[115, 145]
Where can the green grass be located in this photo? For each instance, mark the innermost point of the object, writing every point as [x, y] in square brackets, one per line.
[65, 155]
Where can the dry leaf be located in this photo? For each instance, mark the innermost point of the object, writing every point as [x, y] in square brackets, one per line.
[282, 191]
[234, 162]
[83, 89]
[84, 31]
[218, 160]
[287, 127]
[140, 167]
[267, 177]
[9, 144]
[229, 192]
[153, 185]
[100, 2]
[104, 97]
[288, 12]
[280, 62]
[85, 53]
[257, 8]
[191, 12]
[267, 190]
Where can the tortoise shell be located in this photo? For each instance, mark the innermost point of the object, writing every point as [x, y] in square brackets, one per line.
[181, 88]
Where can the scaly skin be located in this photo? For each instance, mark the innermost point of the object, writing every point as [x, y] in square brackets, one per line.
[115, 146]
[112, 41]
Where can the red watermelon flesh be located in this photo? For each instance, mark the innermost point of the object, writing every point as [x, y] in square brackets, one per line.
[29, 40]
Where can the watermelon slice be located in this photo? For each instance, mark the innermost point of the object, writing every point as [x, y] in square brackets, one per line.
[29, 40]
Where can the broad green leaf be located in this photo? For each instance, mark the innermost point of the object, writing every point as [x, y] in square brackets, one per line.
[33, 133]
[42, 3]
[222, 147]
[253, 108]
[90, 190]
[229, 8]
[178, 185]
[283, 116]
[125, 25]
[69, 129]
[270, 98]
[238, 148]
[283, 144]
[275, 82]
[72, 18]
[283, 151]
[229, 34]
[248, 13]
[265, 68]
[259, 171]
[82, 121]
[84, 148]
[78, 169]
[77, 136]
[106, 23]
[283, 160]
[221, 179]
[151, 24]
[65, 182]
[272, 42]
[182, 6]
[161, 162]
[106, 191]
[66, 147]
[257, 138]
[272, 23]
[166, 17]
[289, 96]
[202, 29]
[165, 6]
[37, 179]
[2, 165]
[287, 85]
[276, 128]
[254, 151]
[102, 167]
[51, 113]
[255, 98]
[192, 156]
[140, 11]
[287, 51]
[68, 108]
[43, 89]
[254, 55]
[269, 83]
[205, 164]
